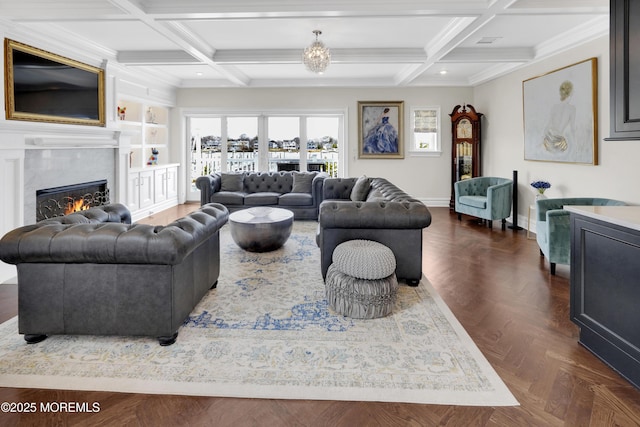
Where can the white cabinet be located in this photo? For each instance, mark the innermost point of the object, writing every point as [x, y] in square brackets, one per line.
[147, 189]
[172, 182]
[152, 189]
[160, 187]
[133, 192]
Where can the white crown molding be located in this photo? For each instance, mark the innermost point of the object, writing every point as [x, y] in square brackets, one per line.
[494, 72]
[590, 30]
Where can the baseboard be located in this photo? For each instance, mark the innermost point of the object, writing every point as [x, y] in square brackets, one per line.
[7, 273]
[435, 203]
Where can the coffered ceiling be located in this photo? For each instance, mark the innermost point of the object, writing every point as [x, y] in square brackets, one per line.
[259, 43]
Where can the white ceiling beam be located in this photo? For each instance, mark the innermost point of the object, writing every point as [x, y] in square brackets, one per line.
[338, 56]
[489, 54]
[156, 57]
[257, 9]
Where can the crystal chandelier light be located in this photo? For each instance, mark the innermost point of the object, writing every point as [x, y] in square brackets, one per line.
[317, 57]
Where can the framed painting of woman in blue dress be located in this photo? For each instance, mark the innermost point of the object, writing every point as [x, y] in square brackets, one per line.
[380, 129]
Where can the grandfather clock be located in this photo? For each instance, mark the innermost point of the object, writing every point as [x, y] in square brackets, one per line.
[465, 149]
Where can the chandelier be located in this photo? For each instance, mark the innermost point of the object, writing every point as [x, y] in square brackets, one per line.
[317, 57]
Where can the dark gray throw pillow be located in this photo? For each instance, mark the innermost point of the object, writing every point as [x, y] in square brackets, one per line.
[302, 182]
[361, 189]
[231, 181]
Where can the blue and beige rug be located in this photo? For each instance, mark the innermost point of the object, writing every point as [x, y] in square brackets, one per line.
[266, 332]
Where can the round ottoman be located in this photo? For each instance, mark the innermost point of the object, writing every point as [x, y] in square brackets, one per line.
[361, 281]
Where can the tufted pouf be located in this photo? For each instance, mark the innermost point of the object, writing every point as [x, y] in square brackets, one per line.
[361, 282]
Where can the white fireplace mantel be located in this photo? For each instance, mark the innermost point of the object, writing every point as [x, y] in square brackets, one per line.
[75, 141]
[57, 143]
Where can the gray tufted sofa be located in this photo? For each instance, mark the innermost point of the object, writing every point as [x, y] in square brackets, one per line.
[299, 192]
[95, 273]
[382, 213]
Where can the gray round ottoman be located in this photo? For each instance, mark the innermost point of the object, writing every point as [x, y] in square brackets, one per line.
[361, 281]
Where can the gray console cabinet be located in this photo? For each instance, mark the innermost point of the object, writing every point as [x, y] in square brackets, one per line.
[605, 285]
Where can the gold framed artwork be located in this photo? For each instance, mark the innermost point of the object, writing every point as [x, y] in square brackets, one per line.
[561, 115]
[41, 86]
[380, 129]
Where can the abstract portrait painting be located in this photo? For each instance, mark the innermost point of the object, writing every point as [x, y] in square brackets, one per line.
[560, 115]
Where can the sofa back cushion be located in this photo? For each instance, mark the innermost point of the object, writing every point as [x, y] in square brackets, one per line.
[361, 189]
[231, 182]
[273, 182]
[302, 182]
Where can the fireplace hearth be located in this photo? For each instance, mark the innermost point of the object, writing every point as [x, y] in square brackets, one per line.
[58, 201]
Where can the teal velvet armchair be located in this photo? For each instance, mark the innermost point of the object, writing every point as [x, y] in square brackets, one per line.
[553, 229]
[484, 197]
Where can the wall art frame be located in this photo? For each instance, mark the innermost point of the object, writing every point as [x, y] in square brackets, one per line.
[560, 115]
[381, 129]
[41, 86]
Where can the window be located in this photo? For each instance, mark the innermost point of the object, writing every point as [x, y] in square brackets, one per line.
[323, 139]
[206, 145]
[283, 134]
[425, 125]
[242, 144]
[219, 142]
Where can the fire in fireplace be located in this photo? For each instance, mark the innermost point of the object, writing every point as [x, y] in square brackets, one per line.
[58, 201]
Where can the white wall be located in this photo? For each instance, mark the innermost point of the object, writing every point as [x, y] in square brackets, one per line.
[500, 100]
[426, 178]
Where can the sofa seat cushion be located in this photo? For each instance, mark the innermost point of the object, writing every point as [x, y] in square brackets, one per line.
[261, 199]
[296, 199]
[479, 202]
[228, 198]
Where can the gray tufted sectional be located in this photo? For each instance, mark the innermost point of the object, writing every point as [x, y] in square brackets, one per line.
[299, 192]
[93, 272]
[373, 209]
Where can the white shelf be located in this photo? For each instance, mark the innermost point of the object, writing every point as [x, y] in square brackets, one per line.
[149, 125]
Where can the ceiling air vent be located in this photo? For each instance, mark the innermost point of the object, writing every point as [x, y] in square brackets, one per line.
[488, 40]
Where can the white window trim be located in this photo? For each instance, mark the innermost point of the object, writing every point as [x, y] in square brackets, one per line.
[436, 151]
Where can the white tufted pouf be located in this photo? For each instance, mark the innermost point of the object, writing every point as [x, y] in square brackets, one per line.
[361, 282]
[364, 259]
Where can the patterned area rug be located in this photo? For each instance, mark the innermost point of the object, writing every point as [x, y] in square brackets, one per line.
[266, 332]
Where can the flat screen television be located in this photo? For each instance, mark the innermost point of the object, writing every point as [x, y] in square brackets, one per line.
[44, 87]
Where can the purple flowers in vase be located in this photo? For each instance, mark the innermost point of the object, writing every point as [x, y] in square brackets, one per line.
[540, 186]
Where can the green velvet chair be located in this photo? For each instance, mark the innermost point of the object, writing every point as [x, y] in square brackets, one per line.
[484, 197]
[553, 229]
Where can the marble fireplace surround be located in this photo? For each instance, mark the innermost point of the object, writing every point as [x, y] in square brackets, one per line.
[37, 156]
[48, 168]
[58, 156]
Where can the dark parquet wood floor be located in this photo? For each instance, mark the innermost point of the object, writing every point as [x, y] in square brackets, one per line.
[501, 291]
